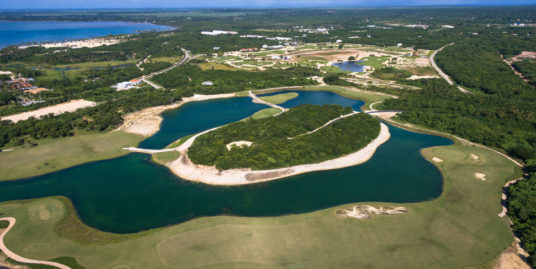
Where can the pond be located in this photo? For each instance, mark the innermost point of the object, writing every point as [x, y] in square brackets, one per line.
[352, 66]
[132, 193]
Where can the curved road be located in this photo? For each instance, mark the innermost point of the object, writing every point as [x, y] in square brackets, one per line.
[18, 258]
[156, 86]
[441, 73]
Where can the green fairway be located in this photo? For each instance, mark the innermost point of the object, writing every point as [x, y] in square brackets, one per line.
[461, 228]
[165, 157]
[265, 113]
[279, 98]
[56, 154]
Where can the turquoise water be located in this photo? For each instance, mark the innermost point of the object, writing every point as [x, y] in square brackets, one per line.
[351, 66]
[132, 193]
[18, 32]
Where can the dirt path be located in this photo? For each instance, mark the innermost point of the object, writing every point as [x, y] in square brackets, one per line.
[58, 109]
[326, 124]
[257, 100]
[18, 258]
[148, 151]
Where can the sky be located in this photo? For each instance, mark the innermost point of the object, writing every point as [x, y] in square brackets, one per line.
[58, 4]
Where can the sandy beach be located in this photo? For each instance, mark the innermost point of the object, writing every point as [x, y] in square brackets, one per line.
[77, 44]
[147, 122]
[70, 106]
[184, 168]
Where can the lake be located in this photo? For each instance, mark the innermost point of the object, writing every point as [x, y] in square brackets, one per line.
[352, 66]
[132, 193]
[19, 32]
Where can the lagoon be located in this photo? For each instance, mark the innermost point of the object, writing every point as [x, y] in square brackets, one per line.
[19, 32]
[132, 193]
[352, 66]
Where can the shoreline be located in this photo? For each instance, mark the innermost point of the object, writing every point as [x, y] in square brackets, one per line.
[185, 169]
[146, 122]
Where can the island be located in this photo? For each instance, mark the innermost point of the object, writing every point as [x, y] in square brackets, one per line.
[303, 139]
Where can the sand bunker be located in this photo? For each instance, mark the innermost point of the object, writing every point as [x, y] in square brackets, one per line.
[474, 157]
[364, 211]
[240, 144]
[437, 160]
[77, 44]
[481, 176]
[70, 106]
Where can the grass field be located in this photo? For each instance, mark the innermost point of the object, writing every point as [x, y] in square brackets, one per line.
[215, 66]
[375, 61]
[265, 113]
[461, 228]
[56, 154]
[367, 97]
[165, 157]
[279, 98]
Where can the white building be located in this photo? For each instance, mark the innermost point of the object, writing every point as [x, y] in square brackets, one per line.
[338, 41]
[208, 83]
[218, 32]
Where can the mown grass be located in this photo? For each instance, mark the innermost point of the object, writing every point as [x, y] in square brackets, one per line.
[460, 228]
[265, 113]
[165, 157]
[375, 61]
[56, 154]
[279, 98]
[215, 66]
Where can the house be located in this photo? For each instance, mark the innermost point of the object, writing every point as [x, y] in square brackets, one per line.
[399, 45]
[207, 83]
[37, 90]
[216, 48]
[218, 32]
[135, 81]
[275, 57]
[125, 85]
[338, 41]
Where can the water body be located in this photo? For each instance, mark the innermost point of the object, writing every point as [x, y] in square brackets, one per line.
[19, 32]
[352, 66]
[132, 193]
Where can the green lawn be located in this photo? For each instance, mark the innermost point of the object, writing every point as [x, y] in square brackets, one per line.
[56, 154]
[265, 113]
[279, 98]
[375, 61]
[165, 157]
[459, 229]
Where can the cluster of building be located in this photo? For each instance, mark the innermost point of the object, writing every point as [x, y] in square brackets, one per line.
[422, 26]
[25, 85]
[249, 50]
[125, 85]
[320, 30]
[218, 32]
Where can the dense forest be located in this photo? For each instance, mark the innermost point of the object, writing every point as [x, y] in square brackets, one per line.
[272, 147]
[191, 76]
[527, 69]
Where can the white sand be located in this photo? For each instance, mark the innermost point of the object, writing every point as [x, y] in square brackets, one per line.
[481, 176]
[415, 77]
[70, 106]
[240, 144]
[364, 211]
[437, 160]
[147, 122]
[474, 156]
[77, 44]
[185, 169]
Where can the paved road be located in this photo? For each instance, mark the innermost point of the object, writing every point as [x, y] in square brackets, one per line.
[441, 73]
[156, 86]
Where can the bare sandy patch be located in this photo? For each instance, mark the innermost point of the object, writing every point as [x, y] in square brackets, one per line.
[422, 62]
[481, 176]
[77, 44]
[70, 106]
[186, 169]
[510, 259]
[474, 157]
[147, 122]
[415, 77]
[240, 144]
[437, 160]
[365, 211]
